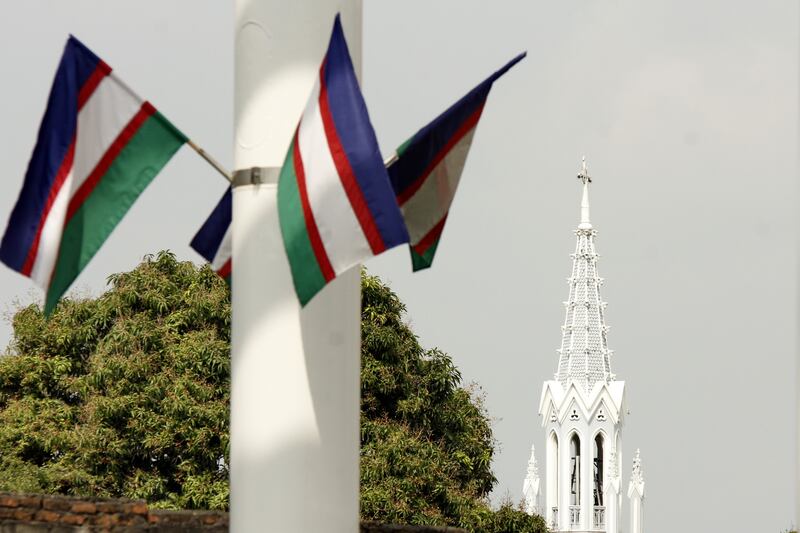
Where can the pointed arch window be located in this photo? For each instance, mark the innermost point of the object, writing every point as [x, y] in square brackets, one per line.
[552, 479]
[575, 470]
[599, 472]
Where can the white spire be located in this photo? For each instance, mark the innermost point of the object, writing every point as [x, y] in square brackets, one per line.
[586, 179]
[584, 354]
[530, 488]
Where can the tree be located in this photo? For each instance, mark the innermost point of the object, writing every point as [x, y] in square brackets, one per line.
[123, 395]
[426, 441]
[127, 395]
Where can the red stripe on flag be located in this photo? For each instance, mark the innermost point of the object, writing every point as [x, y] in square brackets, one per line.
[345, 171]
[225, 270]
[311, 224]
[58, 182]
[431, 237]
[101, 71]
[86, 91]
[122, 140]
[468, 124]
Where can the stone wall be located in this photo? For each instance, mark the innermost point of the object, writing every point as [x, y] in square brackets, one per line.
[37, 513]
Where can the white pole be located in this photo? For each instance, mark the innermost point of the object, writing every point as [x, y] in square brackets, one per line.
[294, 374]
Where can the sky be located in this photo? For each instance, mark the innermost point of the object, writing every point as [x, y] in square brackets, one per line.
[687, 114]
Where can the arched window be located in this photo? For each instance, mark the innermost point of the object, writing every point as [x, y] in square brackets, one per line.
[598, 470]
[575, 470]
[552, 478]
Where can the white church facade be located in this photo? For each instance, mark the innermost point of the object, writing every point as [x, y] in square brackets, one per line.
[583, 412]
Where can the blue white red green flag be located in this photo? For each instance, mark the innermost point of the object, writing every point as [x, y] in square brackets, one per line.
[335, 203]
[99, 145]
[428, 167]
[213, 240]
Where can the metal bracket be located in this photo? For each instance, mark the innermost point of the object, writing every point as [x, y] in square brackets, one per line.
[256, 176]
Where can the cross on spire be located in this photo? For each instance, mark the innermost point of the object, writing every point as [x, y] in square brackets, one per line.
[586, 179]
[584, 174]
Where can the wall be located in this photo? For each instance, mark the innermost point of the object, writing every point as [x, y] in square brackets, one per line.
[37, 513]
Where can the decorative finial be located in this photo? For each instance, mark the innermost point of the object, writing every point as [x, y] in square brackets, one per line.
[530, 488]
[586, 179]
[636, 475]
[533, 465]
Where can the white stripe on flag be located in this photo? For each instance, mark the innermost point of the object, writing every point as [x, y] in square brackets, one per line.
[51, 236]
[432, 200]
[102, 118]
[100, 121]
[340, 230]
[224, 251]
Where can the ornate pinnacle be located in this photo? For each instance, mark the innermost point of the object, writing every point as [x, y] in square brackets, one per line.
[636, 475]
[613, 467]
[533, 467]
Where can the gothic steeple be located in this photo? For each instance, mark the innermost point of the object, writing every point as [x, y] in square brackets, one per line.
[584, 356]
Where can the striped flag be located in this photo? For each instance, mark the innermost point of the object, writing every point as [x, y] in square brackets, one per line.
[428, 166]
[99, 146]
[335, 203]
[213, 241]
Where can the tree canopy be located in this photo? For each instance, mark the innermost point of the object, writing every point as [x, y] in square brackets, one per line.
[127, 395]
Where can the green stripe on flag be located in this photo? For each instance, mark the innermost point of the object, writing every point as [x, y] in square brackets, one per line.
[423, 261]
[134, 168]
[306, 273]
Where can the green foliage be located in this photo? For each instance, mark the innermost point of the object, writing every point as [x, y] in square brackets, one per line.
[426, 442]
[128, 395]
[123, 395]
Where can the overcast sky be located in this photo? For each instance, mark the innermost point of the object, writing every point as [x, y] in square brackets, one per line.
[687, 113]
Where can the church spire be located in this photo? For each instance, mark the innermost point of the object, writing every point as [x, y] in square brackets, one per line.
[584, 356]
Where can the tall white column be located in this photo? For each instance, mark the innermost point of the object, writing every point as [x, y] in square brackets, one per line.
[294, 373]
[636, 495]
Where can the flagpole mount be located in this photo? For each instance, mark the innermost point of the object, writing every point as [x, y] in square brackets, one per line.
[256, 176]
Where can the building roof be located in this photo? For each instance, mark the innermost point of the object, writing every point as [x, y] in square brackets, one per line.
[584, 356]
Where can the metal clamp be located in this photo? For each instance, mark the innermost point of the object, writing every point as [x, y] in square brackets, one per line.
[256, 176]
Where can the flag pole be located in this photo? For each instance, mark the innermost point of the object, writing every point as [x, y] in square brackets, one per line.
[295, 389]
[211, 161]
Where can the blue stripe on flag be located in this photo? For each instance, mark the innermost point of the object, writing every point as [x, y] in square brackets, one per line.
[430, 140]
[56, 134]
[358, 139]
[209, 238]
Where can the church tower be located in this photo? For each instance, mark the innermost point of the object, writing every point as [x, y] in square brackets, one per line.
[583, 408]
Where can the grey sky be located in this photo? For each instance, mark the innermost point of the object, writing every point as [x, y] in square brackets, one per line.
[687, 112]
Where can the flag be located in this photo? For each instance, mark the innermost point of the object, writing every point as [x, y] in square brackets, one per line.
[99, 145]
[213, 241]
[335, 204]
[428, 167]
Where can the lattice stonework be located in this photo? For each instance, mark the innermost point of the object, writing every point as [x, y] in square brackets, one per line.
[584, 356]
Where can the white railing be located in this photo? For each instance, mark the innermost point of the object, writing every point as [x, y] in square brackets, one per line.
[599, 517]
[574, 515]
[554, 519]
